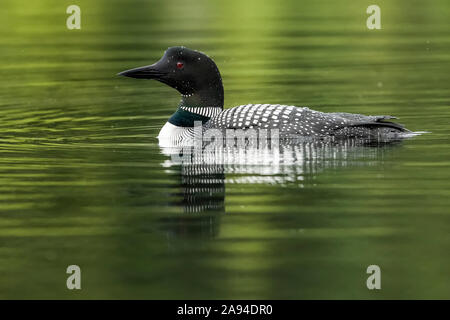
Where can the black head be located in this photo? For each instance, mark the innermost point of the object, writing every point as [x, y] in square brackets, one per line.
[190, 72]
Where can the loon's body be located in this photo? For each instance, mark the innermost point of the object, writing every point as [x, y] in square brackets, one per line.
[197, 78]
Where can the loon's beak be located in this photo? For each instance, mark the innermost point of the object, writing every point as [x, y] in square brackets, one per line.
[147, 72]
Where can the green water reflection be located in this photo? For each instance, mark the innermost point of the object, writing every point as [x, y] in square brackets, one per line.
[83, 181]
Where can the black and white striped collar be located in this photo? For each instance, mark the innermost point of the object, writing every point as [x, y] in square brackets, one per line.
[203, 111]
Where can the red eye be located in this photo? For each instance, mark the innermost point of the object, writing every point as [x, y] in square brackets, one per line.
[180, 65]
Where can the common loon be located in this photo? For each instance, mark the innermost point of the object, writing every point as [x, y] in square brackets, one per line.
[197, 78]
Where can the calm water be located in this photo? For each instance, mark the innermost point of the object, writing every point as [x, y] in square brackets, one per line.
[83, 180]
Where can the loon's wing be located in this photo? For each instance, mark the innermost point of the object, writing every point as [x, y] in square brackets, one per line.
[361, 117]
[302, 121]
[378, 124]
[360, 120]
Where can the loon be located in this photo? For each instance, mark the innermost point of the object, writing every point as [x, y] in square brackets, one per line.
[197, 78]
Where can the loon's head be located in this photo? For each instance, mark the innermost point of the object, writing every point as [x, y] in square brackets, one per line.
[192, 73]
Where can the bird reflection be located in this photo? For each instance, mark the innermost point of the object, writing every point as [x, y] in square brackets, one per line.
[201, 189]
[203, 173]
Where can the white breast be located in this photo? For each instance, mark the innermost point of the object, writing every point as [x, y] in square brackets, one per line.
[171, 135]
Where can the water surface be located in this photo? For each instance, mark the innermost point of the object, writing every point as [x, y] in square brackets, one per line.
[83, 180]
